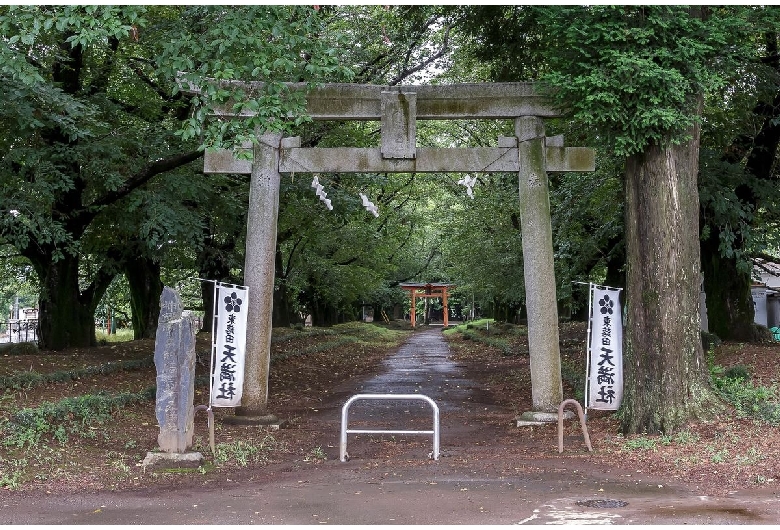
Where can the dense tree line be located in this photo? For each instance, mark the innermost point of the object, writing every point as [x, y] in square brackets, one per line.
[101, 172]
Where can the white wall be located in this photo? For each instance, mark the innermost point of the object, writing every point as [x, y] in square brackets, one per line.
[759, 304]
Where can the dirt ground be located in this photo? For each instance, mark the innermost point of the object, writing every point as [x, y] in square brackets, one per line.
[313, 373]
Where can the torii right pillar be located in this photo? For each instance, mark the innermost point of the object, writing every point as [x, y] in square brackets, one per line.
[540, 290]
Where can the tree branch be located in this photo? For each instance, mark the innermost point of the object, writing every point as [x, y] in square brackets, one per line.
[82, 217]
[406, 72]
[165, 96]
[145, 175]
[290, 257]
[434, 252]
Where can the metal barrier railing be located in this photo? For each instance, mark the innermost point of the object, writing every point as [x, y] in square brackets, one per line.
[403, 397]
[19, 331]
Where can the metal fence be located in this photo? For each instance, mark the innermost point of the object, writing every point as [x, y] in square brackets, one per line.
[19, 331]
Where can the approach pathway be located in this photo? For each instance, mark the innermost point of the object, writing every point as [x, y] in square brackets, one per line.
[421, 366]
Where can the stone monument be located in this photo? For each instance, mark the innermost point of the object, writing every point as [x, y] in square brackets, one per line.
[174, 358]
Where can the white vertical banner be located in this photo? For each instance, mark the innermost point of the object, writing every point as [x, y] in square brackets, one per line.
[228, 345]
[605, 350]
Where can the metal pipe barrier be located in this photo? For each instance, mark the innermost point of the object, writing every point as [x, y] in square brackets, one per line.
[405, 397]
[582, 423]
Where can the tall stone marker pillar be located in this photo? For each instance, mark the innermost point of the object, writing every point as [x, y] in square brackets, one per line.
[259, 275]
[174, 358]
[539, 271]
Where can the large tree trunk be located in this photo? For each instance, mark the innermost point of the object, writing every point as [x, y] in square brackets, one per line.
[282, 316]
[66, 317]
[730, 311]
[143, 276]
[666, 375]
[324, 314]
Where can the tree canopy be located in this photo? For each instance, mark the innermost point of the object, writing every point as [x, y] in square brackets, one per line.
[109, 110]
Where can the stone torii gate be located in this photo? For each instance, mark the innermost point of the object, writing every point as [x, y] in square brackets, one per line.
[529, 153]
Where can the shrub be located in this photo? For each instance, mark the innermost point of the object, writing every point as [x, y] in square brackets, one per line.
[738, 372]
[749, 400]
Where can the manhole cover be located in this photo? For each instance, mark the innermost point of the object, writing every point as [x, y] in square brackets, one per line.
[602, 503]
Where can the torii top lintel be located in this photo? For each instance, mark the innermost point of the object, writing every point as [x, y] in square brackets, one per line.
[345, 101]
[398, 109]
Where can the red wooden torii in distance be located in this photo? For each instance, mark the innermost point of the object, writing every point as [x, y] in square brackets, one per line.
[428, 290]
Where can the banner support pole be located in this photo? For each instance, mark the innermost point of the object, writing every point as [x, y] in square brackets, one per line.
[588, 350]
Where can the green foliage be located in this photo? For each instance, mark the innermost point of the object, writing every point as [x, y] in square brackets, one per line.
[480, 237]
[758, 402]
[350, 333]
[641, 443]
[474, 324]
[681, 438]
[635, 72]
[13, 472]
[718, 456]
[316, 454]
[98, 114]
[209, 45]
[243, 453]
[749, 400]
[336, 260]
[121, 335]
[588, 225]
[724, 211]
[371, 333]
[737, 372]
[29, 30]
[72, 415]
[495, 335]
[397, 44]
[18, 280]
[25, 427]
[325, 346]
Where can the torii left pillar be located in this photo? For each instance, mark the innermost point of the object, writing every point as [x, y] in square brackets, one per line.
[540, 290]
[259, 274]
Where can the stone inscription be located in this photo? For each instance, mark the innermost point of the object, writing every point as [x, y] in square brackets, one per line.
[174, 358]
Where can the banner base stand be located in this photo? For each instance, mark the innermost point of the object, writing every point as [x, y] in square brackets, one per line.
[253, 419]
[532, 418]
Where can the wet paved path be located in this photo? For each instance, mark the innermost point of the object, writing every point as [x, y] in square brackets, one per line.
[421, 366]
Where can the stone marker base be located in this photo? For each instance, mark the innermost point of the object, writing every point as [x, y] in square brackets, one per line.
[163, 460]
[531, 418]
